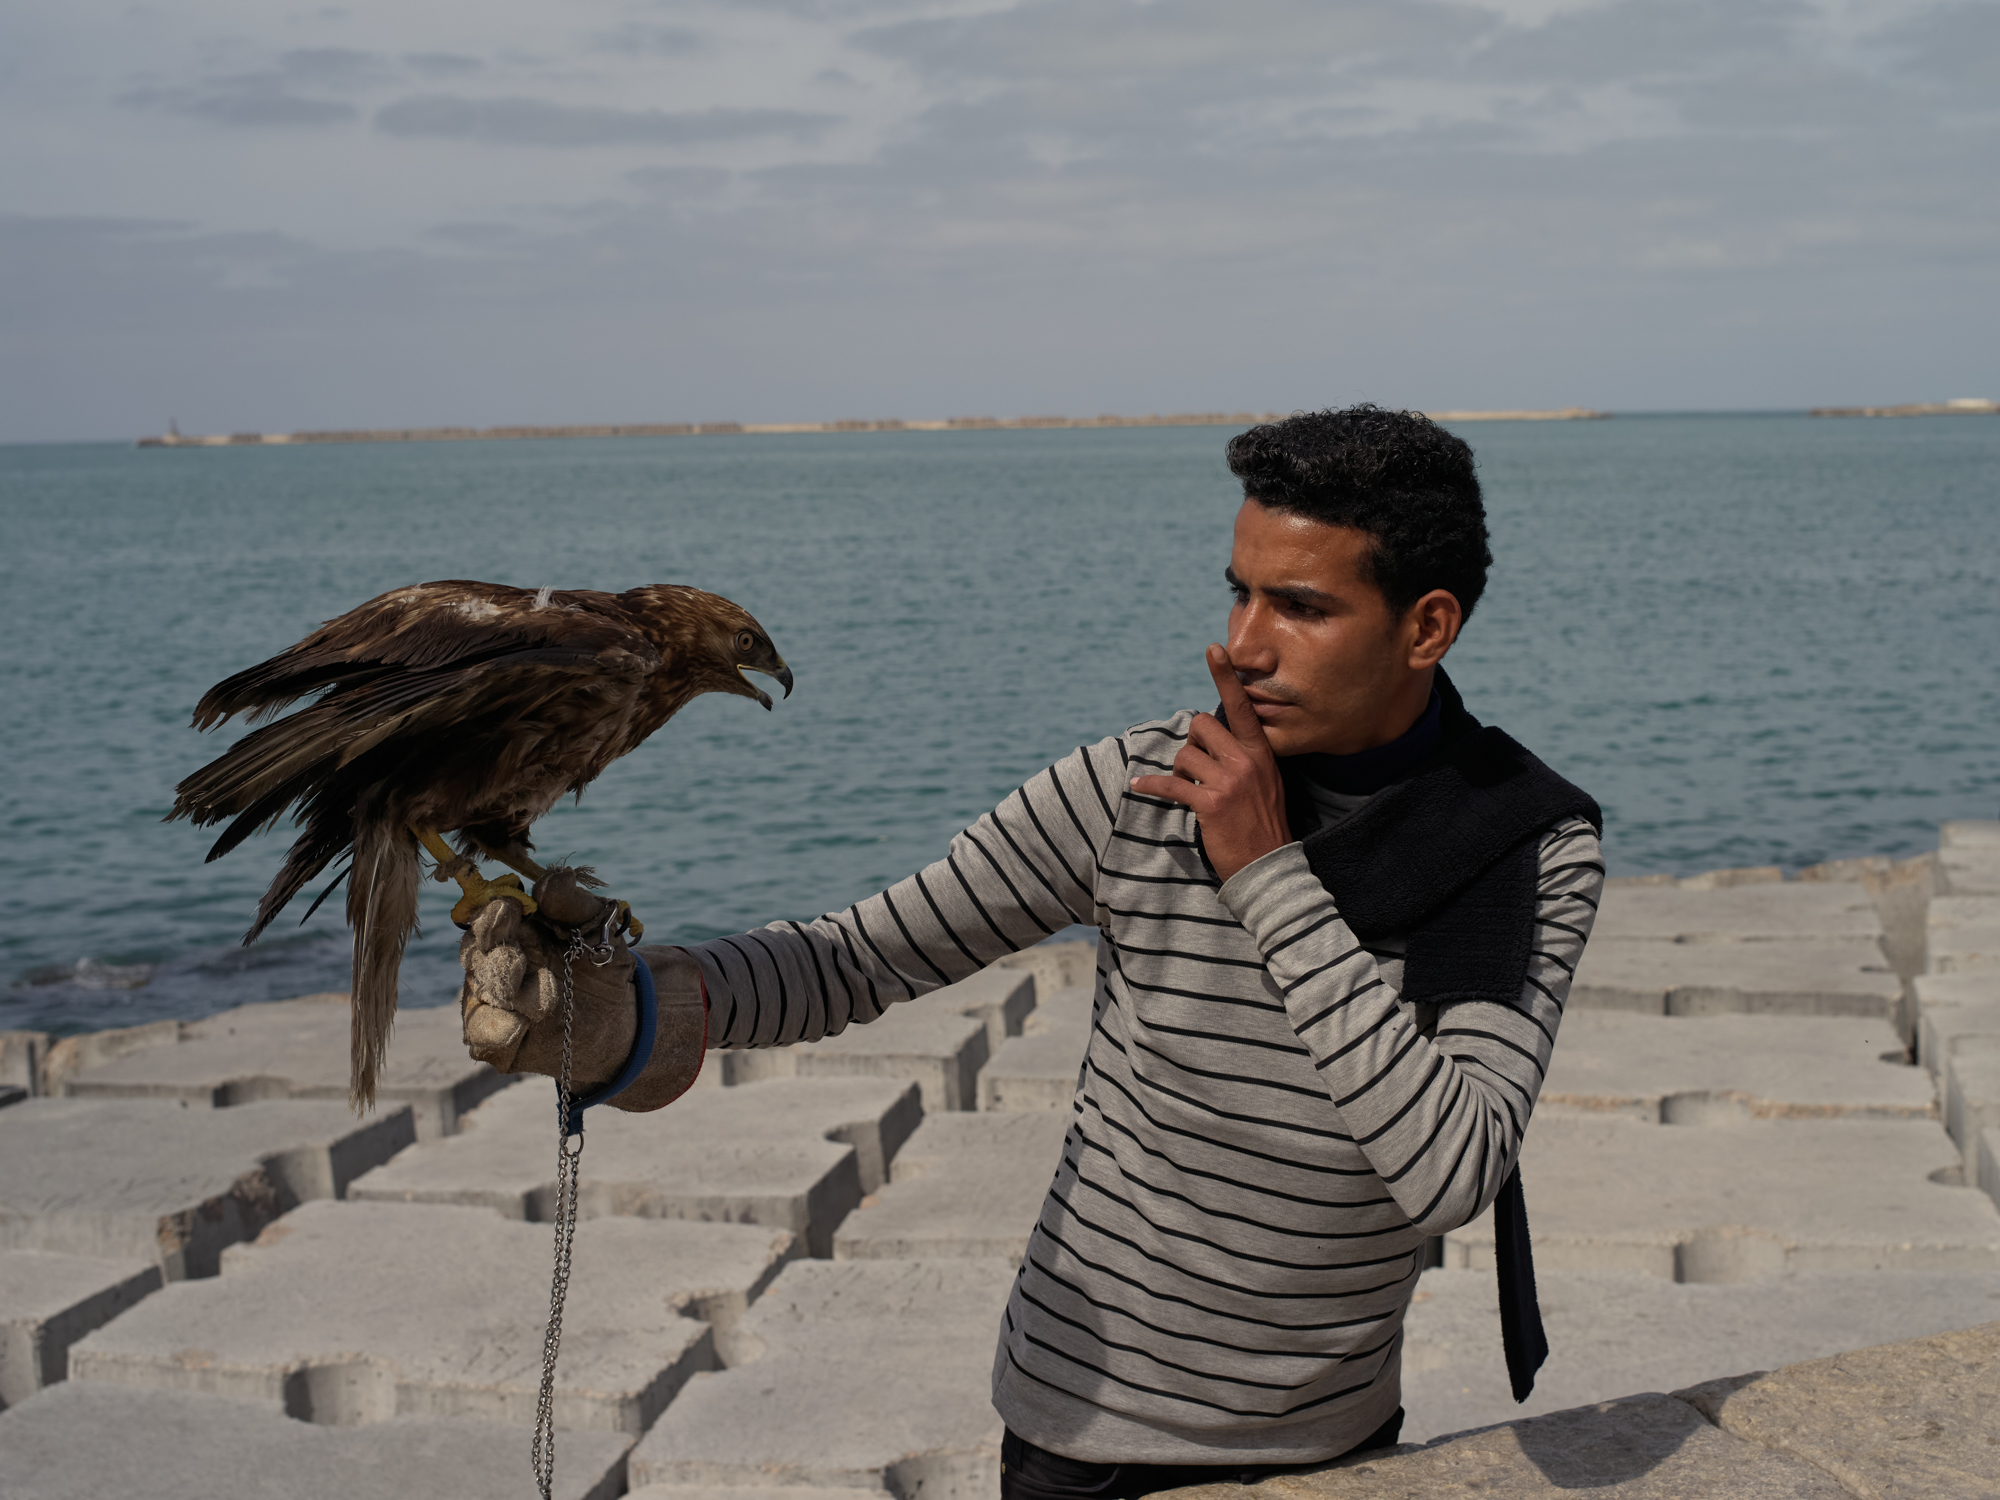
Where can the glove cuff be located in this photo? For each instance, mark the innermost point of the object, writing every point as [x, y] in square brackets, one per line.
[680, 1036]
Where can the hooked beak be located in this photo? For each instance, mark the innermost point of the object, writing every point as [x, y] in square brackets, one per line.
[782, 674]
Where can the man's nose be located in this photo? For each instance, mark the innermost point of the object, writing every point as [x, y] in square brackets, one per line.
[1251, 648]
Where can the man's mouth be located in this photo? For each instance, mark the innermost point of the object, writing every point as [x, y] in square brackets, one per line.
[1266, 706]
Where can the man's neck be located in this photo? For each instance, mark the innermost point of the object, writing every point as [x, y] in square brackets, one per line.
[1368, 771]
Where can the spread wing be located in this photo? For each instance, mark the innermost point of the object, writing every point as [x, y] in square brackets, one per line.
[457, 684]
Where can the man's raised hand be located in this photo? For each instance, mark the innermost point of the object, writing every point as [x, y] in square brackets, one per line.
[1229, 776]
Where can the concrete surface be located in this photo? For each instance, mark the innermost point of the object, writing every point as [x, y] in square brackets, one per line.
[965, 1185]
[84, 1441]
[351, 1313]
[936, 1047]
[1615, 1332]
[1962, 935]
[793, 1153]
[1647, 1447]
[48, 1302]
[1985, 1164]
[298, 1049]
[1761, 978]
[1056, 965]
[1971, 1090]
[73, 1054]
[1743, 1202]
[1693, 1070]
[22, 1054]
[1951, 1006]
[1791, 912]
[1969, 859]
[1037, 1070]
[163, 1182]
[872, 1375]
[1906, 1421]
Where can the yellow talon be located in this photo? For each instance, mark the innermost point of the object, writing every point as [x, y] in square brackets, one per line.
[634, 928]
[479, 891]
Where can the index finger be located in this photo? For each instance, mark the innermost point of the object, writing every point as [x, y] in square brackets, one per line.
[1236, 705]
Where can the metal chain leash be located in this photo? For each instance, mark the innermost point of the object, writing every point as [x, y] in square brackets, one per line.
[543, 1454]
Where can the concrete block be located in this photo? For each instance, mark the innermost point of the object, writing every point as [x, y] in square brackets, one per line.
[1038, 1069]
[1985, 1174]
[1970, 834]
[794, 1153]
[1003, 998]
[73, 1054]
[11, 1093]
[352, 1313]
[1612, 1333]
[297, 1049]
[1695, 1070]
[1719, 880]
[1743, 1202]
[751, 1492]
[965, 1185]
[48, 1302]
[1969, 870]
[1639, 1448]
[22, 1054]
[1905, 1421]
[84, 1441]
[1706, 979]
[1789, 912]
[158, 1181]
[938, 1048]
[1971, 1090]
[1950, 1006]
[1902, 895]
[869, 1375]
[1962, 935]
[1056, 965]
[1855, 870]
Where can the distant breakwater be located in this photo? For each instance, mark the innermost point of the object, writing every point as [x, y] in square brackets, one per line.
[177, 439]
[1964, 406]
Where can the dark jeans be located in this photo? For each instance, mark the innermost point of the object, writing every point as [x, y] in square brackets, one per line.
[1031, 1473]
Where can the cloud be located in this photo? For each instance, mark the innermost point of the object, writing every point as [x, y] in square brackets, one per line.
[269, 96]
[665, 41]
[535, 122]
[442, 64]
[249, 101]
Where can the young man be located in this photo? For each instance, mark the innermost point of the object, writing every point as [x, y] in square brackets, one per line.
[1338, 921]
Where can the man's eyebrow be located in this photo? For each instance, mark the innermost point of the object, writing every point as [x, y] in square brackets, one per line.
[1296, 593]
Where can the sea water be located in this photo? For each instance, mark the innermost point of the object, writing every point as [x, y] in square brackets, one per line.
[1755, 639]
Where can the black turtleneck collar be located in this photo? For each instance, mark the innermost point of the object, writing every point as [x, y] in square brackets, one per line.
[1368, 771]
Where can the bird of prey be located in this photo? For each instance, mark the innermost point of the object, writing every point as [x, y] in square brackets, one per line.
[453, 707]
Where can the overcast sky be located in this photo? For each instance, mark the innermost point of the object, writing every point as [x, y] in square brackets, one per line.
[255, 217]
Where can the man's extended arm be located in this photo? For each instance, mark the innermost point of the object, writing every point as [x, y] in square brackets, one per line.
[1440, 1120]
[1023, 871]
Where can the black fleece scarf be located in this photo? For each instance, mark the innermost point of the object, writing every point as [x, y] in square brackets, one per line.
[1450, 855]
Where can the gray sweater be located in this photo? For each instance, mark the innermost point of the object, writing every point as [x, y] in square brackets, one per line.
[1263, 1136]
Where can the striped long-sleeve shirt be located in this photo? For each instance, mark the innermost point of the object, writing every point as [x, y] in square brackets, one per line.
[1263, 1132]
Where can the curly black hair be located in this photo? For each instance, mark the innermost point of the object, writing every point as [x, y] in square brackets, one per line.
[1396, 475]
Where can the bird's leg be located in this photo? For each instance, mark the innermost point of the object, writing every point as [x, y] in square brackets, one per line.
[516, 858]
[478, 889]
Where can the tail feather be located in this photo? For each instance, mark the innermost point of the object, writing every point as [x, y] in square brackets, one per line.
[382, 910]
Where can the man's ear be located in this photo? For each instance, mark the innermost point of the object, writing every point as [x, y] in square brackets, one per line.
[1431, 627]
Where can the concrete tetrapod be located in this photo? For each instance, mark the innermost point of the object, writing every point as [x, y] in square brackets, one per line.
[352, 1313]
[1615, 1332]
[48, 1302]
[1037, 1070]
[1951, 1007]
[965, 1185]
[172, 1184]
[84, 1441]
[866, 1375]
[1688, 1070]
[1962, 935]
[297, 1049]
[1737, 1203]
[793, 1153]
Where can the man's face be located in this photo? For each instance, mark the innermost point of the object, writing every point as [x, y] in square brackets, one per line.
[1326, 665]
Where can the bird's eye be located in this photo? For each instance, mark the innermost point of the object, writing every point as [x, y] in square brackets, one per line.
[745, 640]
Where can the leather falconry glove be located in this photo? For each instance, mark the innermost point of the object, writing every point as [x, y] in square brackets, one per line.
[511, 1000]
